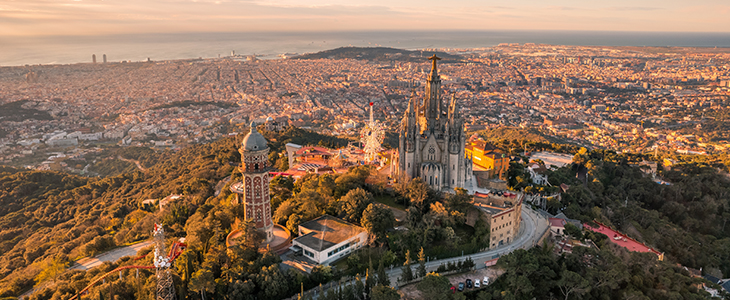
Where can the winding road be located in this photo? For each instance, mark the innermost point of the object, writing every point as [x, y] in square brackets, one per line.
[533, 228]
[90, 262]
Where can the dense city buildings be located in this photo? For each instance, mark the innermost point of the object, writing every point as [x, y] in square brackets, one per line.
[432, 139]
[622, 98]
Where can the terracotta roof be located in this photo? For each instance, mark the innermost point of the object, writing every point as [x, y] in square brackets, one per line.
[557, 222]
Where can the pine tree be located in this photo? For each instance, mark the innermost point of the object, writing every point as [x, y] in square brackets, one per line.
[369, 284]
[382, 276]
[421, 272]
[468, 264]
[359, 288]
[407, 272]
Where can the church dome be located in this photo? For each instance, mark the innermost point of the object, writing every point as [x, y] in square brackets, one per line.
[254, 141]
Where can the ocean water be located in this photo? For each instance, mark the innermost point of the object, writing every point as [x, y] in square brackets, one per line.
[16, 51]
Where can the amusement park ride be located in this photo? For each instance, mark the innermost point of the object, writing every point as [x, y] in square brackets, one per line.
[372, 137]
[162, 264]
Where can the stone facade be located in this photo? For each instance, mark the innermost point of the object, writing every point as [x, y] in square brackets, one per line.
[432, 139]
[253, 190]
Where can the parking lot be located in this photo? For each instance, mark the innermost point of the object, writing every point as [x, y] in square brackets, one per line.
[410, 291]
[492, 273]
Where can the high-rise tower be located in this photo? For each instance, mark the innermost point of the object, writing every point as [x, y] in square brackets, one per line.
[253, 190]
[432, 138]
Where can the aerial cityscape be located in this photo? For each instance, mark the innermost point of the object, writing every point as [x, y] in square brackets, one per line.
[245, 150]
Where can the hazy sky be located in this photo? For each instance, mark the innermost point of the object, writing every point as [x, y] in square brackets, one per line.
[90, 17]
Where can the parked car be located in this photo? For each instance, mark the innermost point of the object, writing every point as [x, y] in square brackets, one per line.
[453, 289]
[461, 286]
[485, 281]
[469, 284]
[476, 283]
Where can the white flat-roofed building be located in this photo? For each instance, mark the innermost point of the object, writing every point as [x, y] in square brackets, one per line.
[327, 239]
[62, 142]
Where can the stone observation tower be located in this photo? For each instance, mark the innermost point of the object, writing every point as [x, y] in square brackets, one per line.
[253, 190]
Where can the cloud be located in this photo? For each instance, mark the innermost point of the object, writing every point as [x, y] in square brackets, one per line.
[634, 8]
[88, 17]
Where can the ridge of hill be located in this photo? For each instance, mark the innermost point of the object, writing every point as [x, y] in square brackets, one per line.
[384, 54]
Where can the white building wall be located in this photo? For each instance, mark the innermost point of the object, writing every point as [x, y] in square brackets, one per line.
[322, 257]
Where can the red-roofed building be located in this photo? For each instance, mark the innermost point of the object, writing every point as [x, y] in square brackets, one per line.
[557, 226]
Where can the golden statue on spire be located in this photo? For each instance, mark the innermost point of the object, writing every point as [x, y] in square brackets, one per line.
[434, 58]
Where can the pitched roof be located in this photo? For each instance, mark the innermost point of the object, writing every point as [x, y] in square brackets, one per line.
[726, 285]
[557, 222]
[711, 278]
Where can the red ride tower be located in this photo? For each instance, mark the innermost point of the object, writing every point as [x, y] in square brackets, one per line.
[253, 190]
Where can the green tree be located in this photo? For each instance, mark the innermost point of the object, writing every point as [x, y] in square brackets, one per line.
[421, 271]
[384, 292]
[434, 286]
[354, 203]
[572, 283]
[370, 282]
[250, 237]
[281, 188]
[53, 268]
[377, 220]
[573, 231]
[273, 283]
[419, 194]
[202, 281]
[382, 276]
[359, 288]
[460, 201]
[407, 272]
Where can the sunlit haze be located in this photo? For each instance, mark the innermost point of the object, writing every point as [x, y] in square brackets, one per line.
[92, 17]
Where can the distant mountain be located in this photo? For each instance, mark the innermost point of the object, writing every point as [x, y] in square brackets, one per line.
[380, 54]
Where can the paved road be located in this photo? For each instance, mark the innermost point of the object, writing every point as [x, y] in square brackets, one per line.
[530, 232]
[90, 262]
[532, 228]
[113, 255]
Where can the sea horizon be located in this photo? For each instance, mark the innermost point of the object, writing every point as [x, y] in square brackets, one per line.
[49, 50]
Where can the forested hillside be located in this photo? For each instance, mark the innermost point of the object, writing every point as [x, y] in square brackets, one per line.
[47, 215]
[51, 218]
[687, 219]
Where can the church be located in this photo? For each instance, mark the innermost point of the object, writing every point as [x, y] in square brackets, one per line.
[432, 139]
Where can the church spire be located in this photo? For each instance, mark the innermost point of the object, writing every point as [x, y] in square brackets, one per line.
[411, 104]
[432, 101]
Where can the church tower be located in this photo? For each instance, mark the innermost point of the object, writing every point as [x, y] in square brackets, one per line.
[253, 190]
[432, 138]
